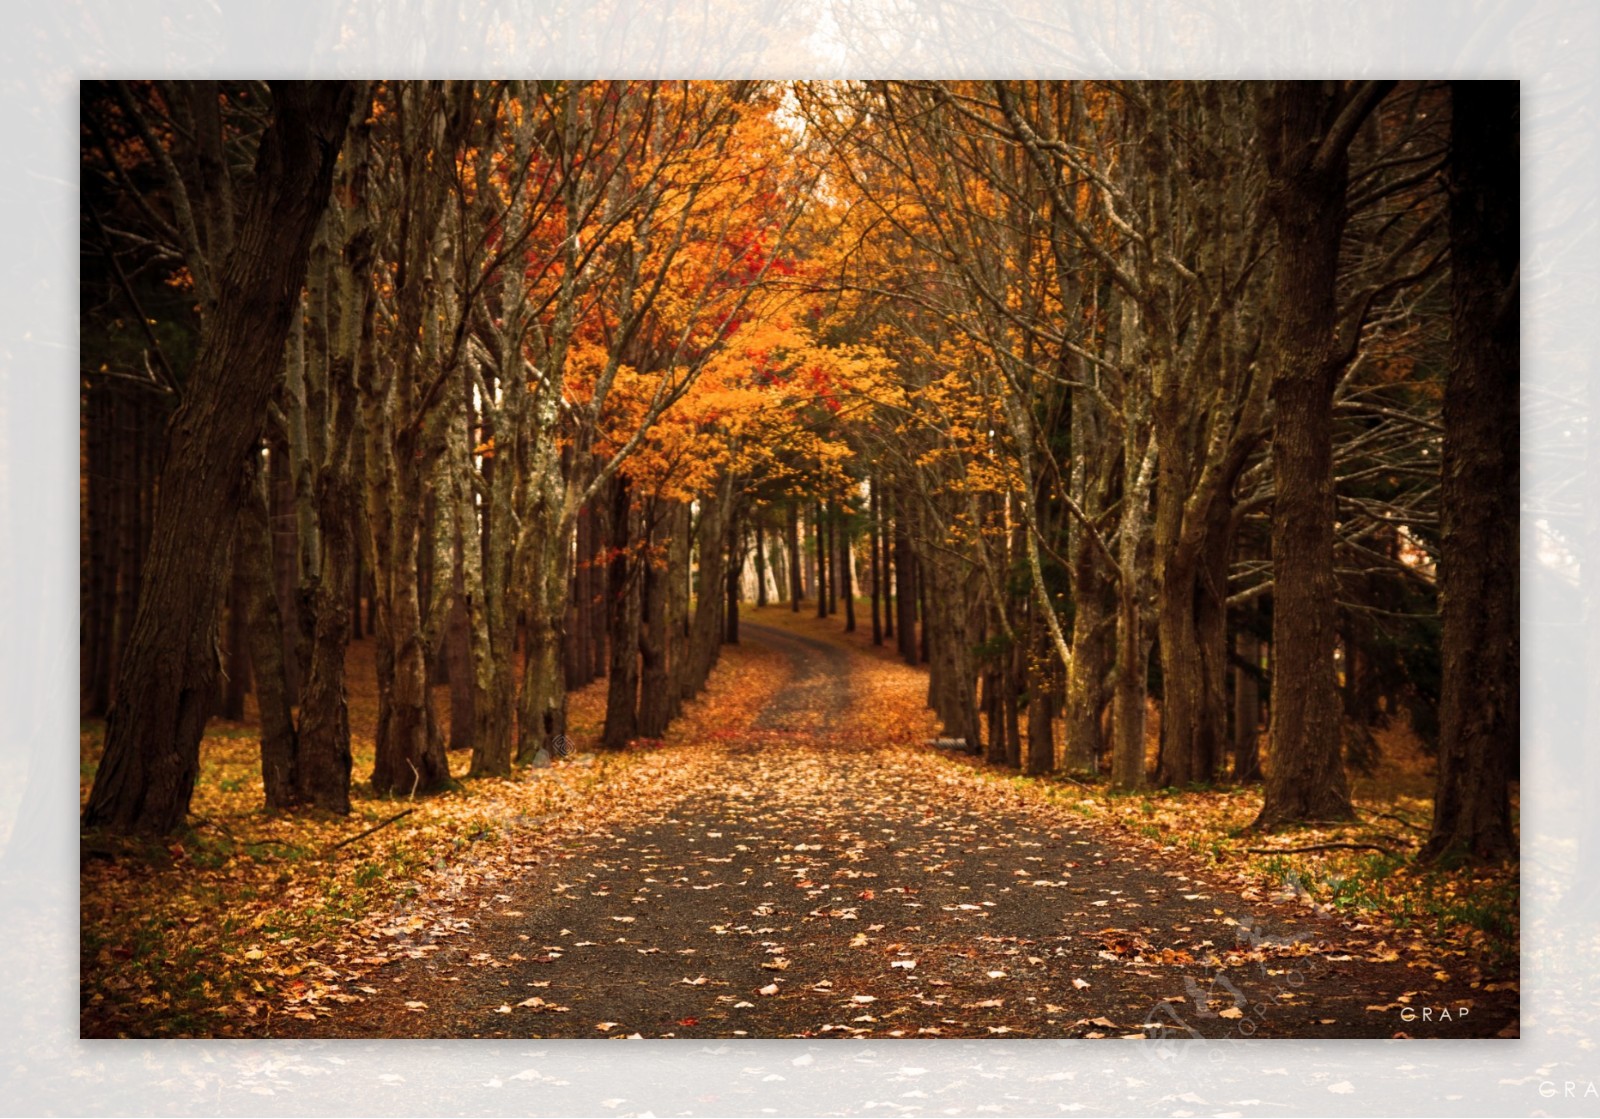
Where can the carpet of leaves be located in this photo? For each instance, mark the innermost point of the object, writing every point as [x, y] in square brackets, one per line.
[792, 861]
[1465, 918]
[233, 925]
[827, 875]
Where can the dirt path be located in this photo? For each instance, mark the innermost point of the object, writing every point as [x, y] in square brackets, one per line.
[815, 884]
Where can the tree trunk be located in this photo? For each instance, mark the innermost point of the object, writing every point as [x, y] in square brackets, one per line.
[238, 668]
[796, 574]
[830, 524]
[1090, 653]
[357, 581]
[1246, 711]
[886, 564]
[680, 546]
[1478, 700]
[490, 577]
[458, 648]
[1305, 195]
[905, 586]
[820, 540]
[622, 623]
[597, 603]
[280, 742]
[1211, 635]
[655, 692]
[1128, 695]
[324, 765]
[761, 564]
[735, 570]
[542, 706]
[286, 559]
[873, 510]
[580, 659]
[846, 583]
[167, 684]
[710, 589]
[1182, 680]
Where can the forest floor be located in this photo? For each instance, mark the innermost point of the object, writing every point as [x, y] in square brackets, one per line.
[793, 860]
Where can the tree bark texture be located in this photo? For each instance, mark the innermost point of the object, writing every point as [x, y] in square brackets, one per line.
[1306, 197]
[1478, 702]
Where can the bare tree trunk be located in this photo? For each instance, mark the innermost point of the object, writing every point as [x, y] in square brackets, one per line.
[1039, 757]
[874, 509]
[886, 564]
[846, 583]
[324, 766]
[680, 545]
[905, 584]
[830, 520]
[622, 623]
[1246, 711]
[597, 607]
[1308, 170]
[1128, 696]
[655, 691]
[1479, 701]
[238, 667]
[280, 741]
[357, 582]
[542, 706]
[580, 660]
[761, 564]
[458, 650]
[796, 572]
[819, 538]
[1089, 664]
[735, 570]
[286, 557]
[711, 534]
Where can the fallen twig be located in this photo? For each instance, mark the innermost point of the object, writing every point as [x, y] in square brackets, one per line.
[1401, 820]
[204, 822]
[1391, 852]
[369, 831]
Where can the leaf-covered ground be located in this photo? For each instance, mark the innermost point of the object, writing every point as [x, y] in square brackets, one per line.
[792, 861]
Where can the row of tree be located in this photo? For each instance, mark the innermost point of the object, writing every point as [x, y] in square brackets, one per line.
[1190, 372]
[1101, 392]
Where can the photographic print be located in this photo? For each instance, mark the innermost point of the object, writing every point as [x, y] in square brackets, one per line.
[800, 559]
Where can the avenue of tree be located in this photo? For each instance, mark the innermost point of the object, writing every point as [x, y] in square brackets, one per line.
[1106, 399]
